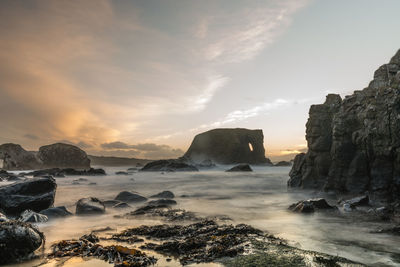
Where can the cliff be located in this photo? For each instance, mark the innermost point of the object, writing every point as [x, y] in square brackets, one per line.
[354, 143]
[228, 146]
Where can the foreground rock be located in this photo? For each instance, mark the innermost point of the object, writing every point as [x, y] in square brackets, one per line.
[87, 246]
[90, 205]
[6, 176]
[35, 194]
[32, 217]
[311, 205]
[171, 165]
[61, 155]
[354, 143]
[240, 168]
[56, 212]
[57, 172]
[18, 241]
[164, 194]
[129, 197]
[228, 146]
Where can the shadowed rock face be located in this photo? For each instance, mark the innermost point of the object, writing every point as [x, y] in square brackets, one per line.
[16, 158]
[228, 146]
[63, 156]
[354, 143]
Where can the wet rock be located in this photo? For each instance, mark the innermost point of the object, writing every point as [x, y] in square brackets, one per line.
[129, 197]
[240, 168]
[228, 146]
[3, 218]
[205, 164]
[353, 144]
[168, 166]
[111, 202]
[162, 211]
[18, 241]
[57, 172]
[164, 194]
[90, 205]
[35, 194]
[283, 164]
[32, 217]
[311, 205]
[355, 202]
[121, 173]
[121, 205]
[56, 212]
[167, 202]
[61, 155]
[87, 246]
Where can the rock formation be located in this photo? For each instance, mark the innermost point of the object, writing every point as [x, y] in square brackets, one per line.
[57, 155]
[354, 143]
[228, 146]
[63, 156]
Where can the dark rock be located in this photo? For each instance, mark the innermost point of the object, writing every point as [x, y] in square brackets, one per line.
[168, 166]
[163, 211]
[283, 164]
[3, 218]
[16, 158]
[121, 173]
[61, 155]
[56, 212]
[32, 217]
[90, 205]
[228, 146]
[35, 194]
[121, 205]
[111, 202]
[167, 202]
[205, 164]
[129, 197]
[240, 168]
[18, 241]
[356, 201]
[164, 194]
[57, 172]
[311, 205]
[354, 143]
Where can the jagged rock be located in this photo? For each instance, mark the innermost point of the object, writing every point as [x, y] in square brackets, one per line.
[56, 212]
[36, 194]
[61, 155]
[32, 217]
[16, 158]
[18, 241]
[170, 165]
[228, 146]
[129, 197]
[90, 205]
[283, 164]
[164, 194]
[354, 143]
[240, 168]
[311, 205]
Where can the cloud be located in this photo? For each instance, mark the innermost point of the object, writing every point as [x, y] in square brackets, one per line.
[31, 137]
[146, 150]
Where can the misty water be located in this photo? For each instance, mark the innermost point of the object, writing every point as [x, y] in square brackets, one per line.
[259, 198]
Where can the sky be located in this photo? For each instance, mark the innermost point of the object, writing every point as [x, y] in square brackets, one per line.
[142, 78]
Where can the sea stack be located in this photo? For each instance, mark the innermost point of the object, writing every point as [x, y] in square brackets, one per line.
[228, 146]
[354, 143]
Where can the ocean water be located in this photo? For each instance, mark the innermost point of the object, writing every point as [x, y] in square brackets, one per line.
[259, 198]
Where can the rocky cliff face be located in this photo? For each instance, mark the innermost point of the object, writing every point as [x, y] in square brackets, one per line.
[228, 146]
[354, 143]
[51, 156]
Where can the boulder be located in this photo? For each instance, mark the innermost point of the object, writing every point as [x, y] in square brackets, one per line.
[111, 203]
[164, 194]
[61, 155]
[283, 164]
[240, 168]
[90, 205]
[16, 158]
[356, 201]
[122, 173]
[56, 212]
[121, 205]
[18, 241]
[168, 166]
[32, 217]
[354, 143]
[35, 194]
[311, 205]
[228, 146]
[129, 197]
[166, 202]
